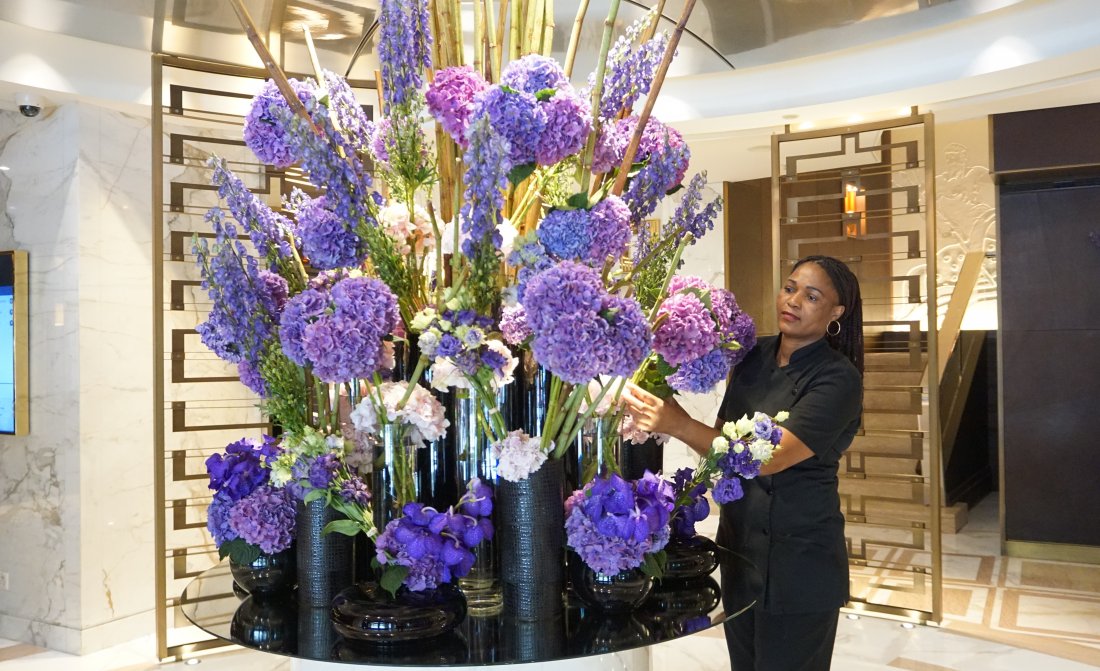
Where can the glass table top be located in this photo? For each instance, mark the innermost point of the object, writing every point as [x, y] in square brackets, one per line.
[279, 625]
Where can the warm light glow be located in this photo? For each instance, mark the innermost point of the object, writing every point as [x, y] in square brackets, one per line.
[851, 198]
[806, 125]
[905, 111]
[855, 118]
[4, 167]
[907, 625]
[853, 616]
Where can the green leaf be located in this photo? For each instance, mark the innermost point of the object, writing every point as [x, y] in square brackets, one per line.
[508, 89]
[520, 173]
[314, 495]
[674, 189]
[578, 201]
[239, 551]
[545, 94]
[654, 565]
[346, 527]
[392, 578]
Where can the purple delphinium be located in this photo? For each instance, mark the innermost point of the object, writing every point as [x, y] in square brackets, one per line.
[339, 332]
[613, 523]
[687, 330]
[266, 127]
[327, 241]
[252, 378]
[662, 172]
[404, 49]
[268, 230]
[534, 73]
[568, 123]
[265, 518]
[450, 99]
[515, 116]
[242, 468]
[486, 175]
[692, 504]
[630, 74]
[688, 217]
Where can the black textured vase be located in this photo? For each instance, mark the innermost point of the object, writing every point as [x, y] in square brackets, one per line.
[324, 560]
[532, 539]
[635, 459]
[619, 593]
[269, 575]
[265, 624]
[366, 612]
[689, 558]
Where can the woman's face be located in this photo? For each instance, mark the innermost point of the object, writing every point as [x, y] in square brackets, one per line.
[807, 302]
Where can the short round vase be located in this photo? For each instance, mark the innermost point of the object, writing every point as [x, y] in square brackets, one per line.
[618, 593]
[268, 575]
[690, 558]
[265, 624]
[365, 612]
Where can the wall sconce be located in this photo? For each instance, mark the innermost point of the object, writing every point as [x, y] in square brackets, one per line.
[855, 205]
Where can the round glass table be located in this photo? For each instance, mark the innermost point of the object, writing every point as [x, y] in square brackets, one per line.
[279, 625]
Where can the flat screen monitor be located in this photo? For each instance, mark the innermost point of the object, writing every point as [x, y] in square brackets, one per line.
[14, 394]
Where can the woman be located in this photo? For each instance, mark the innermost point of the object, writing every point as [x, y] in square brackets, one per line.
[789, 523]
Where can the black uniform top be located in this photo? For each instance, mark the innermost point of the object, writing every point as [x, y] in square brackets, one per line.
[789, 524]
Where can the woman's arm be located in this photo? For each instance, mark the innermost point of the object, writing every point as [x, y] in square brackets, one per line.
[667, 416]
[791, 451]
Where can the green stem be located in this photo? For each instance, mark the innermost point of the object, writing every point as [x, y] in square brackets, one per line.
[421, 364]
[551, 412]
[668, 276]
[578, 425]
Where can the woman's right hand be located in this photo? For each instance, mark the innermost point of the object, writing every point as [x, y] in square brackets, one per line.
[653, 414]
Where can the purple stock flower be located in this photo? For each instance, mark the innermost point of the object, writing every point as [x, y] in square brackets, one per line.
[265, 518]
[267, 126]
[404, 48]
[322, 470]
[534, 73]
[450, 99]
[515, 116]
[727, 490]
[354, 490]
[568, 123]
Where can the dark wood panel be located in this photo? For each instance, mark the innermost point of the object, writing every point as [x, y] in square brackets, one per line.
[1051, 430]
[1048, 266]
[1046, 138]
[748, 248]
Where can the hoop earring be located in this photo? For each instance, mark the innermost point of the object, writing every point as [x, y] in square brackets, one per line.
[833, 333]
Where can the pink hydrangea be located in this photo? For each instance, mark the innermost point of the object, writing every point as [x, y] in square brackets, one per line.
[450, 99]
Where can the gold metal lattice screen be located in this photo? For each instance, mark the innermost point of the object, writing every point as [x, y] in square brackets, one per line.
[865, 194]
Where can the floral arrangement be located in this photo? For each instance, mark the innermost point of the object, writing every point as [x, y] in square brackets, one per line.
[512, 226]
[248, 515]
[425, 548]
[616, 525]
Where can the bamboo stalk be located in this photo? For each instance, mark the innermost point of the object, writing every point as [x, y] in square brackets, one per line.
[655, 89]
[532, 29]
[479, 35]
[575, 37]
[649, 32]
[317, 72]
[548, 26]
[597, 95]
[272, 67]
[502, 18]
[514, 29]
[492, 56]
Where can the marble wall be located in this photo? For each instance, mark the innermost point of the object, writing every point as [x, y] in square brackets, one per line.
[76, 494]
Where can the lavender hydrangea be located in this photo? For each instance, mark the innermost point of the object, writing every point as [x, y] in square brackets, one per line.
[534, 73]
[610, 148]
[265, 518]
[629, 339]
[450, 99]
[686, 330]
[513, 325]
[613, 523]
[699, 376]
[517, 117]
[339, 332]
[565, 233]
[267, 127]
[610, 229]
[327, 241]
[568, 123]
[404, 48]
[217, 519]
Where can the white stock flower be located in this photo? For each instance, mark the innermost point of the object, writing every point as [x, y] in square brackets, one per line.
[744, 426]
[445, 375]
[720, 445]
[781, 416]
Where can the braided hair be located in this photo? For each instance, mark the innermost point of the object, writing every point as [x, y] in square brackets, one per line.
[849, 341]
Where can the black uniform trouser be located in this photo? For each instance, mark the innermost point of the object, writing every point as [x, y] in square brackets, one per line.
[760, 641]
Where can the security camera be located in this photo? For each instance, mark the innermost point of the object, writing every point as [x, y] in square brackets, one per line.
[30, 104]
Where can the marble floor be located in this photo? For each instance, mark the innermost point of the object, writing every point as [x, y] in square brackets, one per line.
[1001, 614]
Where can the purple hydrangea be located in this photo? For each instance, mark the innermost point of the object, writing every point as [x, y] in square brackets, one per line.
[700, 375]
[404, 48]
[610, 148]
[613, 523]
[629, 339]
[327, 241]
[568, 123]
[513, 325]
[339, 332]
[515, 116]
[686, 330]
[265, 518]
[450, 99]
[565, 233]
[610, 229]
[534, 73]
[217, 519]
[744, 332]
[267, 126]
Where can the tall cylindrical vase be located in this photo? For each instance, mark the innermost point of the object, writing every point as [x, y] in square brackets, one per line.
[324, 560]
[394, 477]
[594, 452]
[473, 455]
[532, 540]
[436, 472]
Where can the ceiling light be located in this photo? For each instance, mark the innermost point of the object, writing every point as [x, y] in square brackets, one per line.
[907, 625]
[790, 116]
[905, 111]
[193, 661]
[855, 118]
[806, 125]
[4, 168]
[853, 616]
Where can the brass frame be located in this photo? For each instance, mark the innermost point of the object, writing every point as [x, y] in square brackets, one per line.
[932, 376]
[20, 343]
